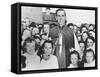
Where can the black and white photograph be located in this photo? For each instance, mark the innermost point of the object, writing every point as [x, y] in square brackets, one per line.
[57, 38]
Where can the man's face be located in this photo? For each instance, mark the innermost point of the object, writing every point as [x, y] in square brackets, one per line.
[48, 48]
[61, 17]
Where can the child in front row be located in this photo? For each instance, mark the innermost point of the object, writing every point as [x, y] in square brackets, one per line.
[89, 60]
[74, 59]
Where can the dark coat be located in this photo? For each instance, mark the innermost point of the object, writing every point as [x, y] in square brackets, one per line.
[67, 43]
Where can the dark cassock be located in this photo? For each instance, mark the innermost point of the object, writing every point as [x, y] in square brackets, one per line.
[63, 39]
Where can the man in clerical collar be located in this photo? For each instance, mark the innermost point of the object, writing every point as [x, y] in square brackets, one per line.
[63, 38]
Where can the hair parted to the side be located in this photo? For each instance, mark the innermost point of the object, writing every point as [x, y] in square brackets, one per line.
[87, 51]
[29, 40]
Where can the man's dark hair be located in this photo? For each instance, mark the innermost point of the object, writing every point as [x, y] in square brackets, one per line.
[60, 9]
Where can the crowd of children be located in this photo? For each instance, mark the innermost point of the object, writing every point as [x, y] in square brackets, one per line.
[37, 51]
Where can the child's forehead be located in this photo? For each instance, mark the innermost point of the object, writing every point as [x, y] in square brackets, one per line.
[89, 39]
[81, 43]
[48, 44]
[84, 34]
[74, 55]
[31, 43]
[46, 25]
[89, 53]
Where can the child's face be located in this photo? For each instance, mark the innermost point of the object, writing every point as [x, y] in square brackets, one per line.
[74, 59]
[89, 43]
[84, 29]
[79, 38]
[30, 47]
[91, 33]
[38, 41]
[89, 57]
[35, 31]
[27, 22]
[46, 28]
[82, 46]
[90, 28]
[84, 36]
[47, 48]
[44, 37]
[71, 27]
